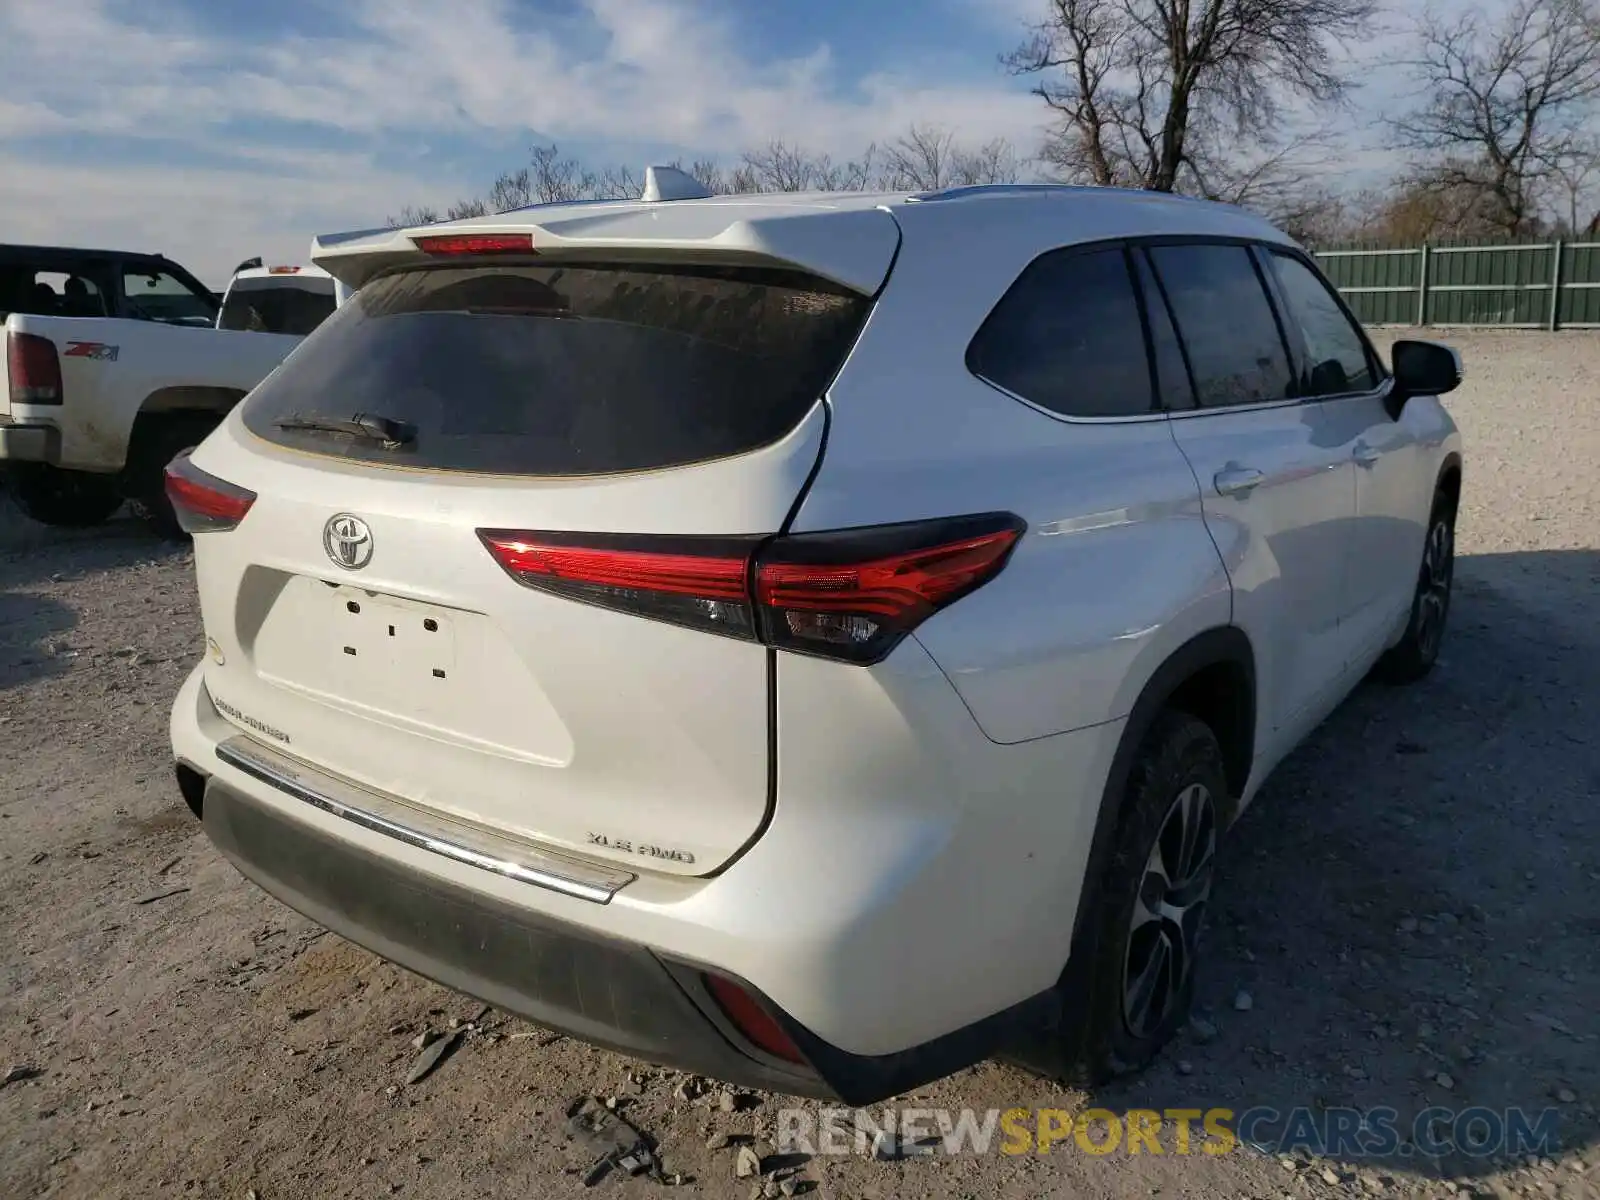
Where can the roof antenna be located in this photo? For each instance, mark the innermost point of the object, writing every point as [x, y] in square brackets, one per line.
[669, 183]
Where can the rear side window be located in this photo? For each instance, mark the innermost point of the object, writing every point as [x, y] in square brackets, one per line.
[1068, 337]
[271, 306]
[46, 292]
[563, 370]
[1336, 356]
[1236, 353]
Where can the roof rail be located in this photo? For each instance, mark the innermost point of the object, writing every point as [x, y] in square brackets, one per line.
[991, 189]
[1064, 189]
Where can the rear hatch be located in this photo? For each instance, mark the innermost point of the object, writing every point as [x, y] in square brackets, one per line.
[375, 613]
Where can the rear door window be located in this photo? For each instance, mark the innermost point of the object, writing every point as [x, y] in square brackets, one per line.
[1067, 336]
[562, 370]
[1236, 352]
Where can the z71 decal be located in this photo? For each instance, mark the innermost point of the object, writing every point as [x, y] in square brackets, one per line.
[98, 350]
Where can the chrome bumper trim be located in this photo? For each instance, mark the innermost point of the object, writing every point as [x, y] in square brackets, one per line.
[435, 833]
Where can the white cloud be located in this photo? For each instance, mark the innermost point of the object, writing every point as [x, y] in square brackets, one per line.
[673, 73]
[207, 219]
[665, 72]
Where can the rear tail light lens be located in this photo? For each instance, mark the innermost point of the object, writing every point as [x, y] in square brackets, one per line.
[752, 1019]
[202, 502]
[475, 243]
[850, 595]
[855, 593]
[699, 582]
[33, 369]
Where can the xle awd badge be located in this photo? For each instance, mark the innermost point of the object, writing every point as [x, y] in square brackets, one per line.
[348, 541]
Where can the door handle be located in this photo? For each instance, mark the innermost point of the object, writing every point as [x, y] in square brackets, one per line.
[1366, 455]
[1237, 481]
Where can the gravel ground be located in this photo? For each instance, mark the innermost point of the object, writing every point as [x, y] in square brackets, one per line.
[1410, 910]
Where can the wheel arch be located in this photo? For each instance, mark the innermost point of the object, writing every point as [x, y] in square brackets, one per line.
[1212, 677]
[191, 398]
[1450, 478]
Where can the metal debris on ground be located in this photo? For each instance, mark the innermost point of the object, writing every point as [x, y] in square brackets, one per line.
[161, 896]
[432, 1055]
[20, 1072]
[621, 1148]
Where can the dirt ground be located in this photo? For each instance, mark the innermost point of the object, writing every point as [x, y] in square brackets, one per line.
[1411, 909]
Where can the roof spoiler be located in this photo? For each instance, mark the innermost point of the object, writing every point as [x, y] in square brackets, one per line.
[853, 248]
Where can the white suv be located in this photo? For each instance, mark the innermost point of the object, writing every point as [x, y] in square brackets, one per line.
[812, 640]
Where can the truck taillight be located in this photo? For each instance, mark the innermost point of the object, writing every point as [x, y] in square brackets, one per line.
[202, 502]
[849, 594]
[33, 369]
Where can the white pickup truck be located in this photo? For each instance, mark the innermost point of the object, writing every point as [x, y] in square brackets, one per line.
[114, 364]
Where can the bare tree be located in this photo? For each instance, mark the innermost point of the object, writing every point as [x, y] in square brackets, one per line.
[924, 157]
[781, 167]
[927, 157]
[1503, 103]
[1142, 88]
[1281, 182]
[413, 215]
[1575, 177]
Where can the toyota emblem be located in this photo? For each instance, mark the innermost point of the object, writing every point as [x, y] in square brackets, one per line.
[348, 541]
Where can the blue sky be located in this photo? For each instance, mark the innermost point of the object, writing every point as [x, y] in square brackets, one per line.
[213, 130]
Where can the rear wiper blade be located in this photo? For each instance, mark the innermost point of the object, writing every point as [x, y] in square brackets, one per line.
[392, 433]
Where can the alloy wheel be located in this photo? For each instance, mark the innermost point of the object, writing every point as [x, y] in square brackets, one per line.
[1163, 940]
[1433, 587]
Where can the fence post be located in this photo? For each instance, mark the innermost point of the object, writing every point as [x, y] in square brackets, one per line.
[1422, 285]
[1555, 290]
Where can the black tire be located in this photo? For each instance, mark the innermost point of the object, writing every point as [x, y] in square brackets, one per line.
[157, 440]
[65, 499]
[1416, 653]
[1177, 784]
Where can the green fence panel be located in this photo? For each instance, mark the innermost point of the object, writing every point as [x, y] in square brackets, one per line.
[1580, 285]
[1463, 283]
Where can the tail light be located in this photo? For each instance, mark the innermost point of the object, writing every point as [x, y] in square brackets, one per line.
[752, 1019]
[849, 594]
[33, 369]
[475, 243]
[202, 502]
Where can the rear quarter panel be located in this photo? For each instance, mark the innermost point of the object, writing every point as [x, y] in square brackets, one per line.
[1116, 569]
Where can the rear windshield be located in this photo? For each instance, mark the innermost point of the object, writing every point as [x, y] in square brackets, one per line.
[563, 370]
[275, 306]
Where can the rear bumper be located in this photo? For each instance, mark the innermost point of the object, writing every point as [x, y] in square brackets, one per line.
[610, 993]
[29, 443]
[892, 942]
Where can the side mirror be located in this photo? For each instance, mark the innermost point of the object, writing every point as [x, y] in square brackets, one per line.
[1425, 368]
